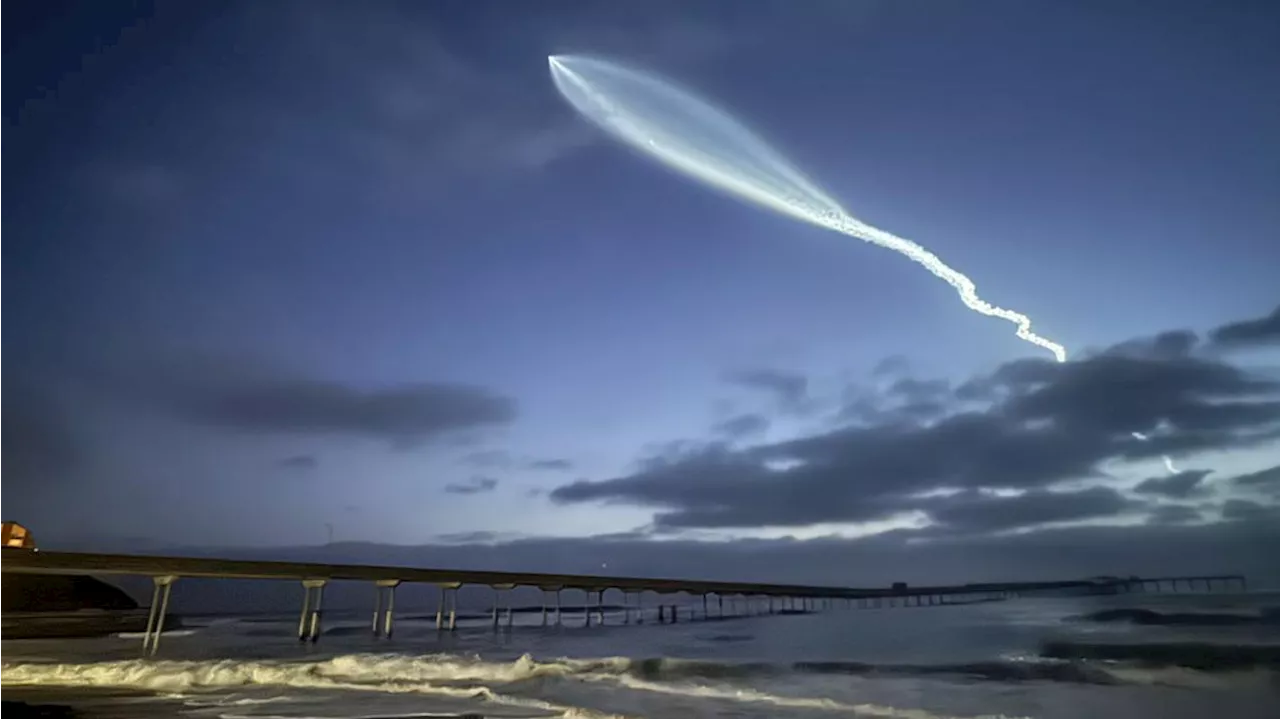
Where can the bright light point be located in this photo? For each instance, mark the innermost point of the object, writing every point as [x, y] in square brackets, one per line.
[689, 135]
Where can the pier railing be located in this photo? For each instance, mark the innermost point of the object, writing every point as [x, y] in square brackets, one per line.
[744, 597]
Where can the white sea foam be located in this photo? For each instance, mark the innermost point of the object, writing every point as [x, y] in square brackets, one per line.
[432, 675]
[439, 675]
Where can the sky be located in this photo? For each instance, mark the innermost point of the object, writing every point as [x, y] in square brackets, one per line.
[277, 274]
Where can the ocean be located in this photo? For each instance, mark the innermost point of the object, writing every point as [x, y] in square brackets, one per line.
[1167, 656]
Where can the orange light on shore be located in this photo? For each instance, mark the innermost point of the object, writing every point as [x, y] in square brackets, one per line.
[17, 536]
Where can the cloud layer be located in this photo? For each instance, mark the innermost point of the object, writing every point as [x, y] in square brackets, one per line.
[237, 395]
[1252, 332]
[990, 456]
[475, 485]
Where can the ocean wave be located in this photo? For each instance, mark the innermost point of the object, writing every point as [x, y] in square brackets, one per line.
[1000, 671]
[740, 694]
[437, 675]
[1133, 615]
[469, 676]
[440, 675]
[1201, 656]
[506, 684]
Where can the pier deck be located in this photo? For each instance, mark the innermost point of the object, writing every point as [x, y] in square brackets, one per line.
[165, 571]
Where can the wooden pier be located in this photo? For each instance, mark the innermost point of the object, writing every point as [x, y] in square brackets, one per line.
[744, 597]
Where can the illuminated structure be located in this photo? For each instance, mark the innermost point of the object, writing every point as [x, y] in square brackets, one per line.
[16, 536]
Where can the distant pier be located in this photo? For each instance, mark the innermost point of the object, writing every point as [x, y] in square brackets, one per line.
[718, 599]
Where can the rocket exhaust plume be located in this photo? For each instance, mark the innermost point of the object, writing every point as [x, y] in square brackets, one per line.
[689, 135]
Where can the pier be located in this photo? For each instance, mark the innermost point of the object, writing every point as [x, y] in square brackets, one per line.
[730, 598]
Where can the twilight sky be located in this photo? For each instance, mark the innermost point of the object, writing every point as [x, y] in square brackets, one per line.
[276, 267]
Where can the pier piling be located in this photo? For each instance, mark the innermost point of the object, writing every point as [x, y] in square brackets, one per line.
[312, 598]
[384, 607]
[157, 613]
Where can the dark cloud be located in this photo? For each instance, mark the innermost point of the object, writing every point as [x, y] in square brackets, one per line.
[249, 397]
[38, 446]
[915, 390]
[1166, 345]
[500, 459]
[890, 366]
[406, 413]
[1266, 480]
[743, 425]
[475, 485]
[551, 465]
[1174, 514]
[1043, 422]
[476, 537]
[489, 459]
[1243, 510]
[1175, 486]
[861, 406]
[789, 389]
[907, 400]
[974, 512]
[1249, 333]
[1120, 393]
[298, 462]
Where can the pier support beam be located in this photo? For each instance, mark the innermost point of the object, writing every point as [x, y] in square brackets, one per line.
[158, 611]
[384, 607]
[499, 593]
[448, 604]
[635, 604]
[545, 607]
[312, 598]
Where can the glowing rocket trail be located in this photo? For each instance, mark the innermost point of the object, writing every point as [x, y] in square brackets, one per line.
[689, 135]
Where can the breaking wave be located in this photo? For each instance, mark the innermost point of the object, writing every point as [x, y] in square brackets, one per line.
[440, 675]
[472, 677]
[436, 675]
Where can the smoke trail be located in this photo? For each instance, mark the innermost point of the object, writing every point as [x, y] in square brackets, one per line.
[963, 285]
[693, 137]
